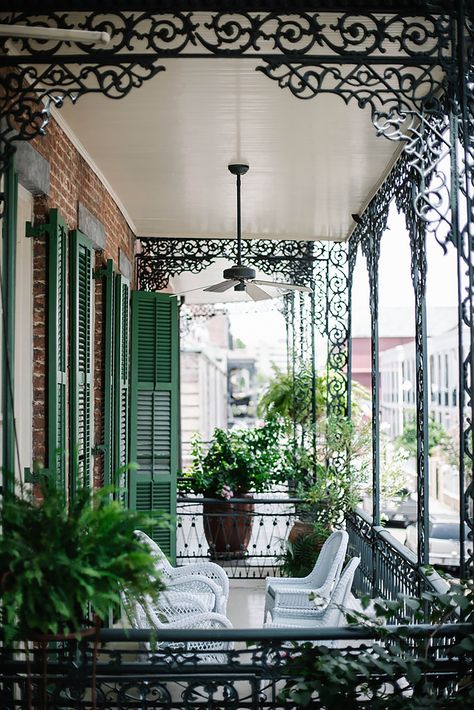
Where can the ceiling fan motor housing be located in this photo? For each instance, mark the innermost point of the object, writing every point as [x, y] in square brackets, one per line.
[239, 272]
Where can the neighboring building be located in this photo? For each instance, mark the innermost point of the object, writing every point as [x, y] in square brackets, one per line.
[398, 382]
[396, 328]
[398, 402]
[272, 353]
[242, 387]
[203, 382]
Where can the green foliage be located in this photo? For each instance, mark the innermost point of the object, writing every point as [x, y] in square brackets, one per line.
[326, 676]
[236, 462]
[57, 559]
[289, 395]
[437, 437]
[300, 556]
[332, 489]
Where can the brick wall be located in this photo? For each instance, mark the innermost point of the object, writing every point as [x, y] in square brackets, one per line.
[72, 180]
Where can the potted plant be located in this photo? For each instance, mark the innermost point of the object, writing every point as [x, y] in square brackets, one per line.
[58, 560]
[235, 465]
[289, 396]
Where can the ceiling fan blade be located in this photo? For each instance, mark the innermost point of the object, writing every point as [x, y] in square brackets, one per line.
[182, 293]
[277, 284]
[256, 293]
[221, 287]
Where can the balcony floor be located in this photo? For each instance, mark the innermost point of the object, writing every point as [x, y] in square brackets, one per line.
[246, 603]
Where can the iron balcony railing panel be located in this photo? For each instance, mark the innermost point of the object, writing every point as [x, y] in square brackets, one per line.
[124, 669]
[388, 569]
[246, 536]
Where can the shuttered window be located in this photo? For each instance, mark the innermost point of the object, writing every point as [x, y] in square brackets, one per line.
[81, 258]
[154, 423]
[109, 360]
[57, 346]
[121, 389]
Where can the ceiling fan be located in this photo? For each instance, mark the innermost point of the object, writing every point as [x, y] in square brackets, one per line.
[242, 278]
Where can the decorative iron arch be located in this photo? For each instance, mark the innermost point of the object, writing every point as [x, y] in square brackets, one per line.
[409, 62]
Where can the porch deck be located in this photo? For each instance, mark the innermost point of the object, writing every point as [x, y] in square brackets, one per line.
[246, 603]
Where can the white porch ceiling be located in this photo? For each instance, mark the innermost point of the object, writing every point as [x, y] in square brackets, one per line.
[164, 149]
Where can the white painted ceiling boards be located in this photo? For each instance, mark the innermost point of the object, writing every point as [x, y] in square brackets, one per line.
[164, 150]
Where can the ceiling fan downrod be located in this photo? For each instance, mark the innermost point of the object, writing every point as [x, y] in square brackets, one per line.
[239, 272]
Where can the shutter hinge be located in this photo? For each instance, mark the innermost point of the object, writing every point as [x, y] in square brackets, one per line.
[105, 271]
[33, 232]
[98, 449]
[35, 476]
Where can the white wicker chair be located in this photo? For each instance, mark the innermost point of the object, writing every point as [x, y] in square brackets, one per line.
[293, 592]
[330, 615]
[182, 611]
[206, 580]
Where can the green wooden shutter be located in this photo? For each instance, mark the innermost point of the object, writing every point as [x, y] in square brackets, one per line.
[80, 397]
[7, 328]
[121, 405]
[57, 346]
[154, 422]
[109, 361]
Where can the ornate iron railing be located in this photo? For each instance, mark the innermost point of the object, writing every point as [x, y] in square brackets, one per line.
[124, 669]
[251, 543]
[387, 567]
[245, 537]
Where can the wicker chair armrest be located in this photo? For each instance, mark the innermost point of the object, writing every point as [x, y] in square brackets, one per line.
[208, 620]
[299, 598]
[205, 569]
[194, 583]
[175, 605]
[284, 581]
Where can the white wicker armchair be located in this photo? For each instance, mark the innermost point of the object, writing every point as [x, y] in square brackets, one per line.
[175, 610]
[330, 615]
[206, 580]
[293, 592]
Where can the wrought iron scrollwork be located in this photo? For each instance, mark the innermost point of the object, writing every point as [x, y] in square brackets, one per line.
[405, 68]
[425, 38]
[465, 250]
[337, 328]
[160, 259]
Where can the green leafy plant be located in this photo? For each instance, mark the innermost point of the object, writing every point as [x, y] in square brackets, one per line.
[289, 395]
[236, 462]
[332, 480]
[398, 670]
[57, 559]
[300, 555]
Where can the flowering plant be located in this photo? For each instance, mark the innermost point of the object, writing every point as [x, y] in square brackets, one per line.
[236, 462]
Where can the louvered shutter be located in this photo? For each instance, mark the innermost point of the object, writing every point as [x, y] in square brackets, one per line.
[121, 405]
[57, 346]
[109, 358]
[80, 398]
[154, 440]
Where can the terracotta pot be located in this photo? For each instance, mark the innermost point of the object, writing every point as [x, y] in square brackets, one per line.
[299, 528]
[228, 527]
[302, 529]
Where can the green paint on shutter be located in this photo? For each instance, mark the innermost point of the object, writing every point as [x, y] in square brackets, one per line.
[154, 422]
[109, 358]
[121, 404]
[8, 327]
[57, 346]
[80, 398]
